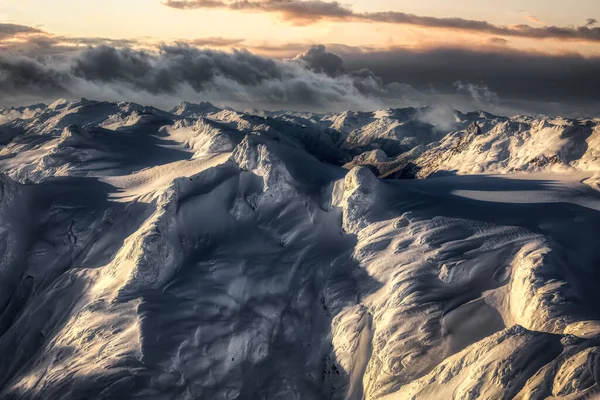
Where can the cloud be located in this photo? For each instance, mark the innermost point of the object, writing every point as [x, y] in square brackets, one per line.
[478, 92]
[535, 20]
[37, 42]
[106, 64]
[496, 41]
[567, 78]
[318, 59]
[187, 5]
[215, 42]
[318, 79]
[307, 12]
[34, 42]
[92, 41]
[296, 49]
[441, 115]
[179, 71]
[11, 30]
[20, 74]
[298, 12]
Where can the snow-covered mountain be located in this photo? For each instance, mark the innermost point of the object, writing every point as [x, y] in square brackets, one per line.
[10, 113]
[191, 110]
[216, 254]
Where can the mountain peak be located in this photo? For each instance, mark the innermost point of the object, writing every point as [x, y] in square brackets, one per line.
[194, 110]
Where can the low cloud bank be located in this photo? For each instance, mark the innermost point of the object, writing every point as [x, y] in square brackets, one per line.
[315, 80]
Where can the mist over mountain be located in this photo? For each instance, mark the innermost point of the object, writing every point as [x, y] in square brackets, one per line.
[210, 253]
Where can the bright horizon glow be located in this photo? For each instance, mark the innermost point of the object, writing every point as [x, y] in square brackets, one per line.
[116, 19]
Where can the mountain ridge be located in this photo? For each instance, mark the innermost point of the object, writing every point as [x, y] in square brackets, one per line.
[230, 255]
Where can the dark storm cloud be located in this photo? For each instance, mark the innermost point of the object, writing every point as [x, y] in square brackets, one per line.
[108, 65]
[512, 74]
[317, 79]
[198, 67]
[318, 59]
[312, 11]
[163, 73]
[22, 74]
[237, 76]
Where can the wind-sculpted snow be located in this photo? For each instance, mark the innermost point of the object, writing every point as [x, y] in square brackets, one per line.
[213, 254]
[519, 144]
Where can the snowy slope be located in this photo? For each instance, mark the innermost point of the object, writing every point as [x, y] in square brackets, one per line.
[518, 144]
[191, 110]
[8, 114]
[225, 255]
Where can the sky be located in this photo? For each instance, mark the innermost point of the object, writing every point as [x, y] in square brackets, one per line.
[153, 21]
[391, 52]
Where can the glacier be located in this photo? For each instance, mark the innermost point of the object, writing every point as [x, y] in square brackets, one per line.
[212, 253]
